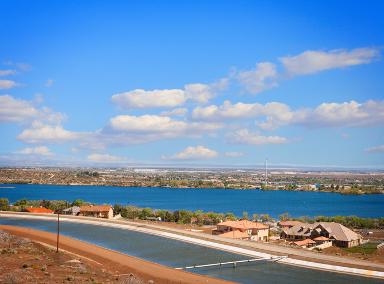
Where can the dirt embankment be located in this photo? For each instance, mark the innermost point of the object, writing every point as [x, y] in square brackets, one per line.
[111, 262]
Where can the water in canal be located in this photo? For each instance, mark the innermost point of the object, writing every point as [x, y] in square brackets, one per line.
[178, 254]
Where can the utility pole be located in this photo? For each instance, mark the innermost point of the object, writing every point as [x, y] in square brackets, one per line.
[58, 231]
[266, 172]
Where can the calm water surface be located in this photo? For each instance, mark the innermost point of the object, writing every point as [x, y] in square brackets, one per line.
[177, 254]
[219, 200]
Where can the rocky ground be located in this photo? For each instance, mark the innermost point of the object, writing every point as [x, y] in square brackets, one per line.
[23, 261]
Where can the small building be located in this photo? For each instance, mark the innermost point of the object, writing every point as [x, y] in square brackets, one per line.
[255, 231]
[74, 210]
[39, 210]
[98, 211]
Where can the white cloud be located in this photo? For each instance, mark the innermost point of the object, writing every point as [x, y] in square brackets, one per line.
[202, 93]
[145, 128]
[311, 61]
[233, 154]
[168, 98]
[242, 110]
[140, 98]
[263, 77]
[194, 153]
[347, 114]
[7, 72]
[49, 83]
[7, 84]
[15, 110]
[243, 136]
[375, 149]
[40, 150]
[39, 133]
[274, 114]
[105, 158]
[175, 112]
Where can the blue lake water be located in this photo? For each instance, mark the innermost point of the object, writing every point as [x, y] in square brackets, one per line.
[297, 203]
[179, 254]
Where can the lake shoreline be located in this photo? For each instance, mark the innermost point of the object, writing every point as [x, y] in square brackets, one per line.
[198, 188]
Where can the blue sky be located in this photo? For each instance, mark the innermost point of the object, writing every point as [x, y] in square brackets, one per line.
[198, 82]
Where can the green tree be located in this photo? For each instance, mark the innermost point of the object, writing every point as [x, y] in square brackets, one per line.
[284, 216]
[230, 216]
[4, 204]
[245, 215]
[78, 202]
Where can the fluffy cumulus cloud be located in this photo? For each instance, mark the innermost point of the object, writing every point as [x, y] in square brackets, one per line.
[104, 158]
[168, 98]
[39, 150]
[159, 125]
[43, 133]
[7, 84]
[259, 79]
[311, 61]
[244, 136]
[273, 115]
[194, 153]
[375, 149]
[17, 110]
[140, 98]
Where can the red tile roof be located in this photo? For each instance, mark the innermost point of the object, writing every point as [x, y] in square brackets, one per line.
[39, 210]
[243, 225]
[95, 208]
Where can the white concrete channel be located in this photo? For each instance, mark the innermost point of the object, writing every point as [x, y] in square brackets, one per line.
[211, 244]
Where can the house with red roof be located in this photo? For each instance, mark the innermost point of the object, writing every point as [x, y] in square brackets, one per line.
[242, 228]
[39, 210]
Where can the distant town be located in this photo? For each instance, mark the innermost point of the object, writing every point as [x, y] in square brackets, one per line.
[344, 182]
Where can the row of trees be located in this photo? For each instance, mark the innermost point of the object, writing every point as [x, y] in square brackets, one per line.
[55, 205]
[198, 217]
[179, 216]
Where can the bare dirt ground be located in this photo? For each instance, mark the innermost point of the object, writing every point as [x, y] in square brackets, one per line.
[376, 257]
[115, 267]
[24, 261]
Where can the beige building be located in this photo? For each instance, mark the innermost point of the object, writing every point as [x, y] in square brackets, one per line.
[243, 229]
[338, 234]
[98, 211]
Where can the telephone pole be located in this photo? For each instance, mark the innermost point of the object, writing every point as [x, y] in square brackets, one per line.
[58, 232]
[266, 172]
